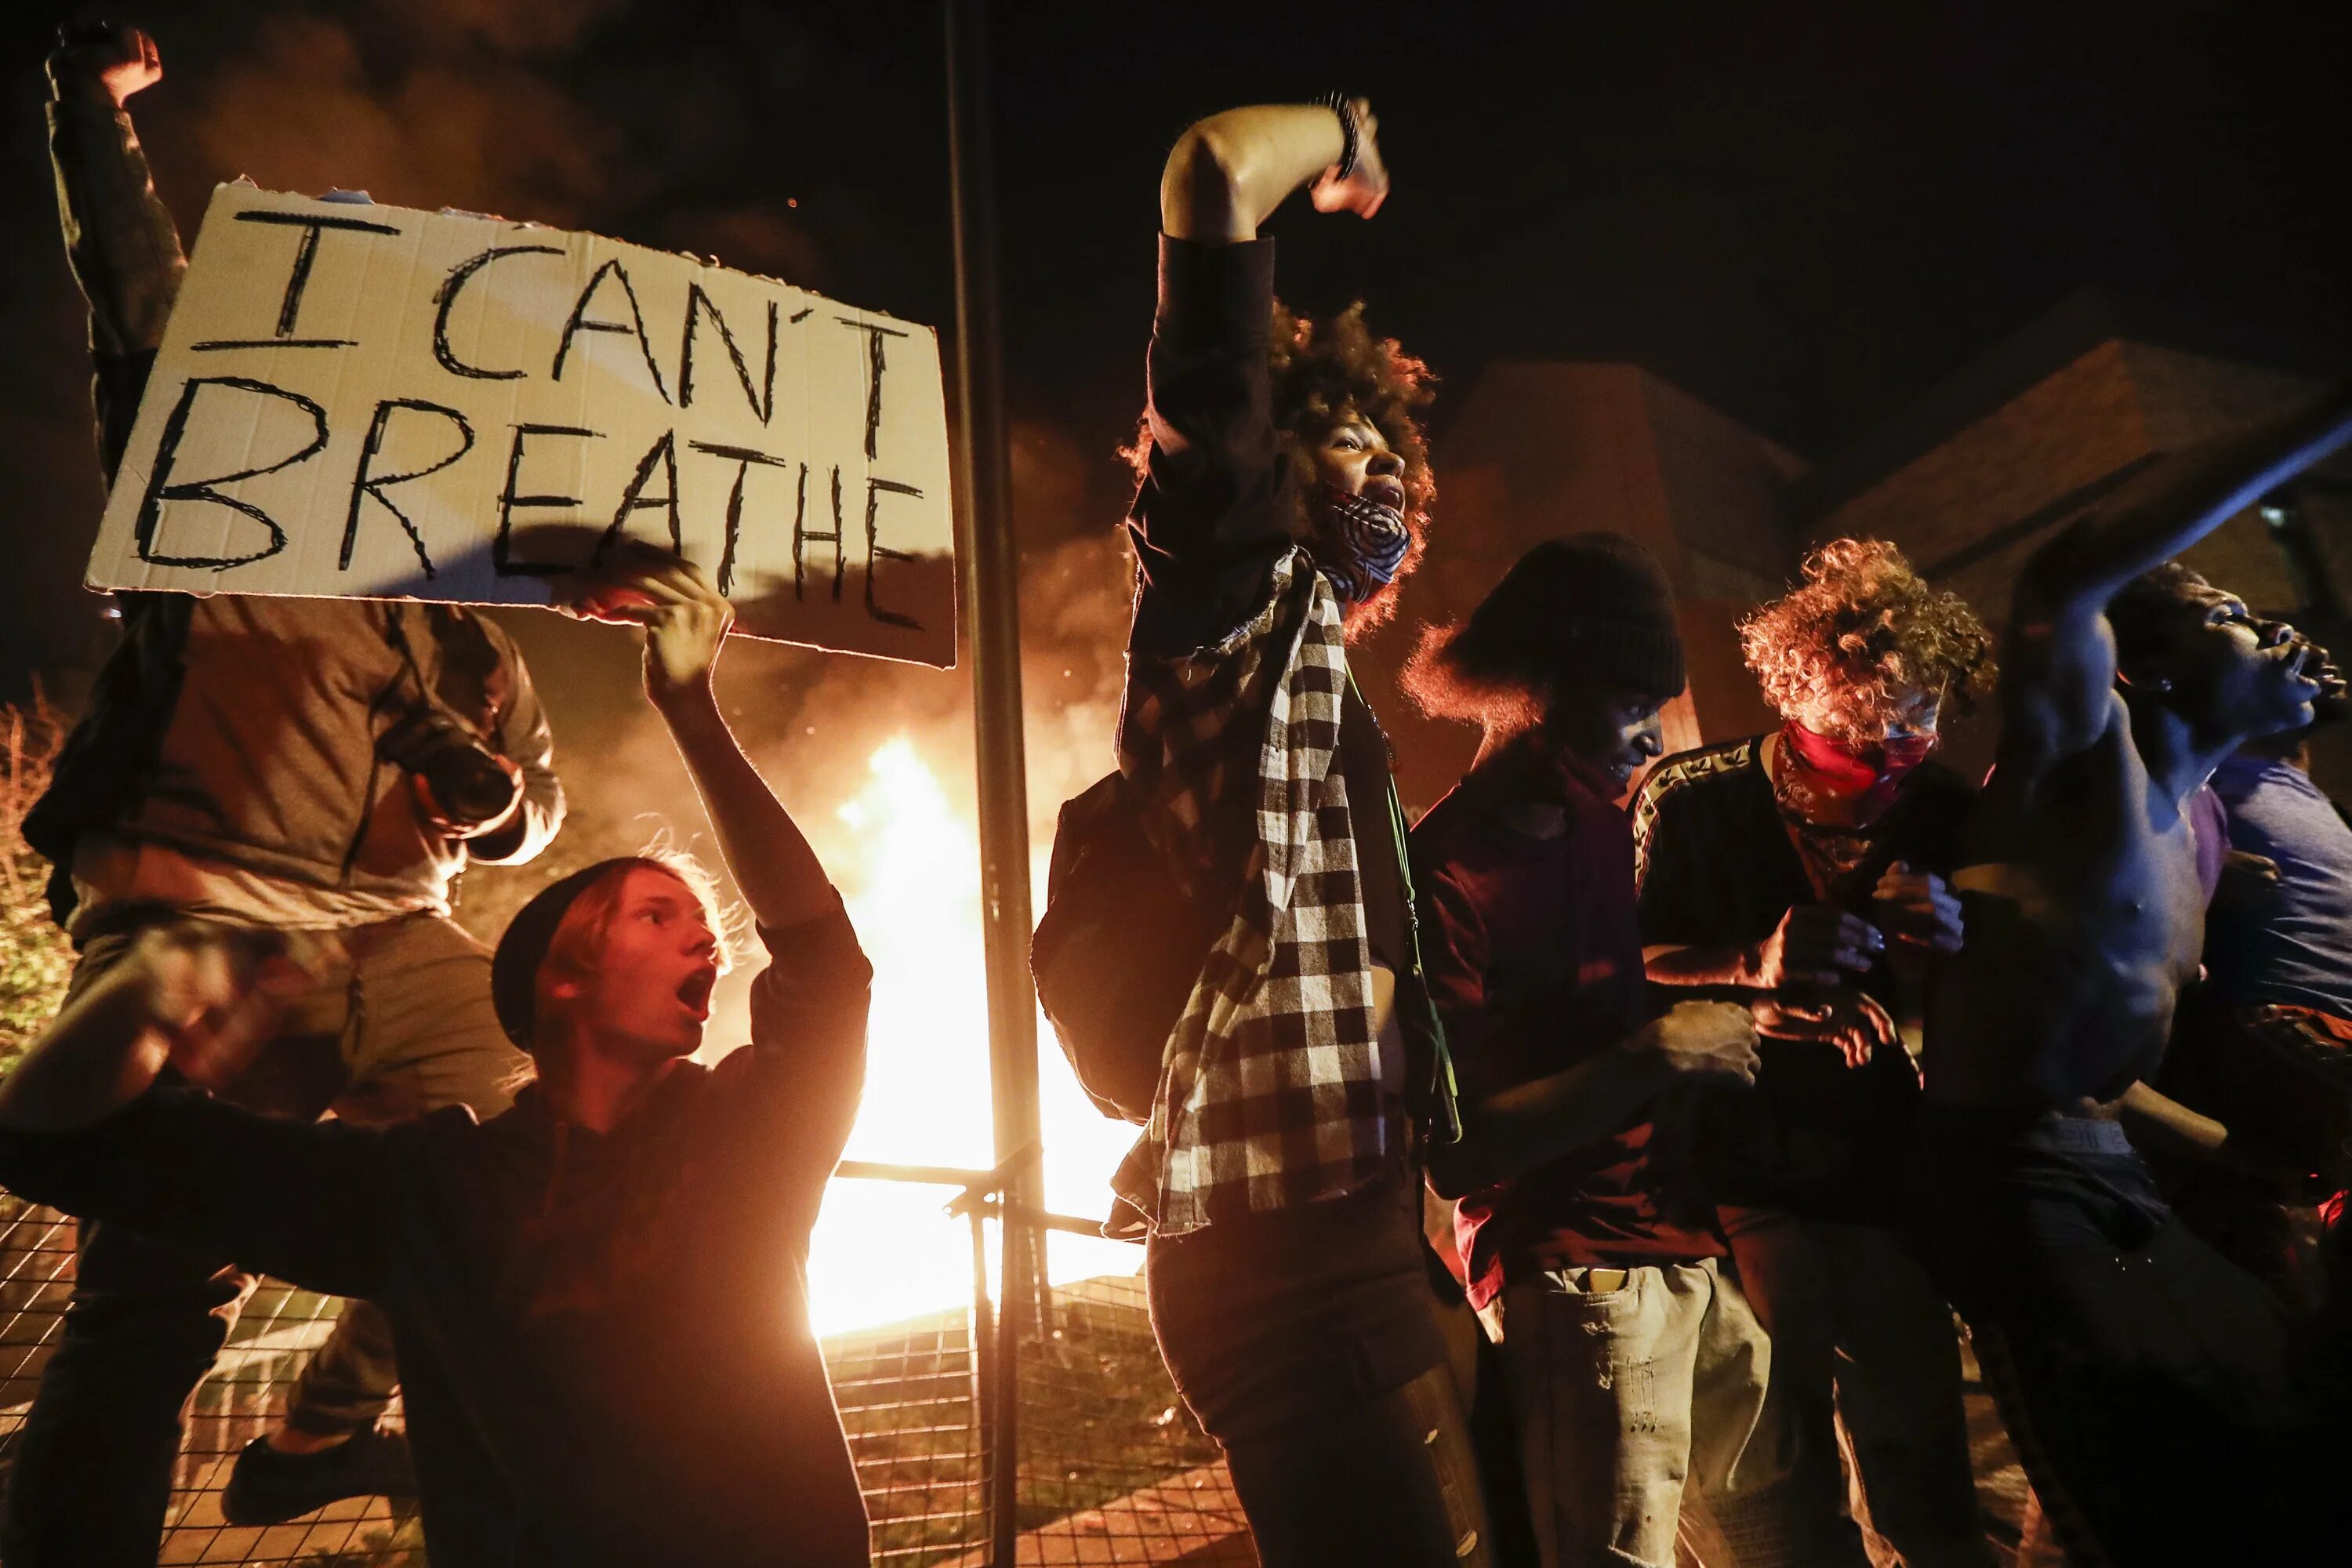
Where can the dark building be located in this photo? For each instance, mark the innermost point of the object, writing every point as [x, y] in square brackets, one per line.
[1967, 479]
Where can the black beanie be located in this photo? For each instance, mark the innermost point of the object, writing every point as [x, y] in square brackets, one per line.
[522, 947]
[1587, 608]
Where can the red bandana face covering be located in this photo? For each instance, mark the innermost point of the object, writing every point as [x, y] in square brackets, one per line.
[1836, 785]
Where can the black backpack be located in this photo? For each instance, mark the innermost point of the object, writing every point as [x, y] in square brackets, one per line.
[1119, 950]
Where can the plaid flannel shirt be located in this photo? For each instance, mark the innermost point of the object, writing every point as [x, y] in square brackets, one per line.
[1270, 1094]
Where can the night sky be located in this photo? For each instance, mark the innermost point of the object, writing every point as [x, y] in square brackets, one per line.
[1801, 212]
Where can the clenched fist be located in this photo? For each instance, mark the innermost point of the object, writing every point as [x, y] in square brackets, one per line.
[122, 60]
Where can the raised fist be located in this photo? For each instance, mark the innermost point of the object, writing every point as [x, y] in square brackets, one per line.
[1367, 185]
[120, 59]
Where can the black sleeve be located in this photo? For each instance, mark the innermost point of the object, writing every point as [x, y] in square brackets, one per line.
[310, 1203]
[1214, 511]
[1667, 856]
[1934, 817]
[123, 245]
[796, 1086]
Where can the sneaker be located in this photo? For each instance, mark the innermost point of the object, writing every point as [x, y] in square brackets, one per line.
[266, 1487]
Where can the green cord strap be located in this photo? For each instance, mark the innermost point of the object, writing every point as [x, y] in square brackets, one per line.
[1449, 1092]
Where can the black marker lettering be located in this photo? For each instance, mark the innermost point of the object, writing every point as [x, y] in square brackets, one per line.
[510, 498]
[876, 553]
[802, 534]
[161, 488]
[874, 364]
[636, 323]
[364, 484]
[445, 300]
[305, 253]
[634, 498]
[697, 305]
[744, 457]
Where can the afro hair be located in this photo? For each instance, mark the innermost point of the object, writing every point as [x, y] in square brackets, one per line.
[1325, 372]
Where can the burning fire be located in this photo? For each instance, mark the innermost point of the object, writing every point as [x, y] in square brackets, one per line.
[907, 857]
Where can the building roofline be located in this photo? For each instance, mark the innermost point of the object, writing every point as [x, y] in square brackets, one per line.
[2030, 355]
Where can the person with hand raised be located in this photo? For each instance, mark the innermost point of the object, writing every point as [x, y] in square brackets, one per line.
[599, 1296]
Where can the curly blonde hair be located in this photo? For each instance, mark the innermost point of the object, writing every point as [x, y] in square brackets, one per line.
[1323, 371]
[1860, 636]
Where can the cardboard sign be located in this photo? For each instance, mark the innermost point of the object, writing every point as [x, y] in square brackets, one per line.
[360, 401]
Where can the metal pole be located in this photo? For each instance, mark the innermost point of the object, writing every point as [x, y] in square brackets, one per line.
[987, 1379]
[988, 599]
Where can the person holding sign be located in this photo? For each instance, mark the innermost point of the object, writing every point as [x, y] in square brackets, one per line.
[599, 1296]
[1284, 492]
[314, 767]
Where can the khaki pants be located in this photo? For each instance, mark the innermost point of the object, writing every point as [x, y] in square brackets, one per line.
[1633, 1401]
[399, 1024]
[1864, 1343]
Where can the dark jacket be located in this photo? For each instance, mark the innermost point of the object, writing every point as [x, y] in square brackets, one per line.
[203, 690]
[603, 1340]
[1716, 866]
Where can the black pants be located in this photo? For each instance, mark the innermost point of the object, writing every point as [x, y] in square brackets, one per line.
[1390, 1480]
[2149, 1384]
[1309, 1345]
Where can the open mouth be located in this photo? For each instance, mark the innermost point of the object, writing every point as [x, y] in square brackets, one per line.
[2306, 666]
[1388, 492]
[695, 993]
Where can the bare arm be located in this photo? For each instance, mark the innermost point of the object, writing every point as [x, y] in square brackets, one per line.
[686, 621]
[2159, 1123]
[1514, 1131]
[2058, 674]
[197, 996]
[1814, 944]
[1698, 963]
[1228, 172]
[1511, 1127]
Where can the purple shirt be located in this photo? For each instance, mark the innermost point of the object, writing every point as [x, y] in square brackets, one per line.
[2297, 952]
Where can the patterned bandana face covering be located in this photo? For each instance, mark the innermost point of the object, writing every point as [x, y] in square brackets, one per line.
[1371, 541]
[1833, 784]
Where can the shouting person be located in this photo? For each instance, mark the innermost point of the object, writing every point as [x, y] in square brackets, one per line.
[2264, 1046]
[2146, 1381]
[1807, 867]
[1572, 1224]
[598, 1297]
[320, 767]
[1284, 493]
